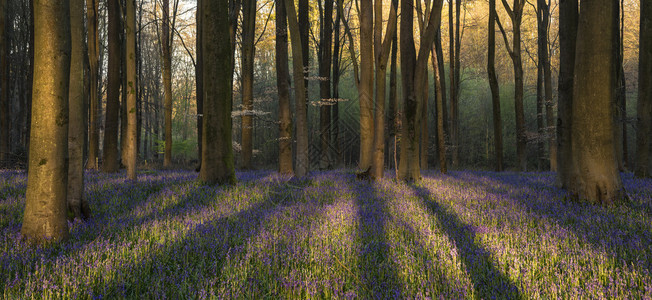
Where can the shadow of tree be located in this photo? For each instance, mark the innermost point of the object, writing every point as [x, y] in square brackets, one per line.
[488, 281]
[378, 274]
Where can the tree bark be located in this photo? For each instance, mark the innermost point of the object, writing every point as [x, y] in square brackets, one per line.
[247, 77]
[495, 88]
[325, 58]
[440, 88]
[77, 204]
[199, 82]
[110, 163]
[593, 148]
[94, 109]
[4, 87]
[619, 100]
[568, 23]
[365, 88]
[339, 160]
[131, 148]
[644, 104]
[217, 156]
[302, 163]
[283, 86]
[45, 208]
[166, 44]
[547, 86]
[392, 114]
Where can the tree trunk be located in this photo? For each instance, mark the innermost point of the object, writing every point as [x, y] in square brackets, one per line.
[325, 56]
[94, 109]
[453, 85]
[541, 157]
[166, 43]
[365, 88]
[440, 88]
[644, 104]
[381, 54]
[123, 85]
[302, 163]
[247, 76]
[45, 208]
[392, 114]
[339, 160]
[217, 156]
[619, 114]
[495, 87]
[110, 163]
[547, 86]
[283, 86]
[77, 204]
[568, 18]
[199, 82]
[4, 85]
[131, 148]
[593, 149]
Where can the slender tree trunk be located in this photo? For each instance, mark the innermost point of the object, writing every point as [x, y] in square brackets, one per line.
[247, 77]
[392, 114]
[302, 163]
[166, 43]
[217, 156]
[45, 208]
[76, 202]
[199, 81]
[110, 161]
[440, 109]
[325, 57]
[644, 104]
[304, 31]
[131, 148]
[541, 157]
[456, 72]
[568, 23]
[365, 88]
[619, 114]
[515, 14]
[547, 85]
[442, 75]
[495, 88]
[93, 59]
[381, 54]
[4, 87]
[593, 149]
[123, 85]
[339, 160]
[283, 86]
[453, 85]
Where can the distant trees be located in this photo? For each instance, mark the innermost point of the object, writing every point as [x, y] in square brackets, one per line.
[45, 208]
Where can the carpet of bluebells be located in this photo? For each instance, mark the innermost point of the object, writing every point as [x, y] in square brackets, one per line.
[457, 236]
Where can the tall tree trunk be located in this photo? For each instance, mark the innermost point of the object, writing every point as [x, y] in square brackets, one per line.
[540, 154]
[123, 85]
[644, 104]
[414, 74]
[365, 88]
[392, 113]
[456, 72]
[547, 84]
[568, 23]
[339, 160]
[304, 30]
[93, 59]
[77, 204]
[619, 114]
[45, 208]
[283, 86]
[110, 161]
[302, 163]
[440, 88]
[381, 54]
[453, 85]
[131, 148]
[325, 57]
[593, 149]
[442, 75]
[166, 43]
[217, 156]
[495, 88]
[247, 76]
[199, 82]
[4, 87]
[515, 14]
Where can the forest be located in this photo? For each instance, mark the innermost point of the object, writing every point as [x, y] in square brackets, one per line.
[453, 149]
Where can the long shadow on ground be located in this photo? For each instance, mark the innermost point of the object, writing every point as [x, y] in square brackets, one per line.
[488, 281]
[377, 269]
[618, 230]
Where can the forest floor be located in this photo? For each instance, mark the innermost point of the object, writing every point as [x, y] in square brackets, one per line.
[462, 235]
